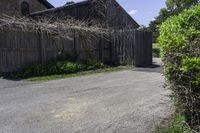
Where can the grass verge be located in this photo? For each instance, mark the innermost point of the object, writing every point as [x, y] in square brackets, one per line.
[59, 76]
[176, 124]
[61, 69]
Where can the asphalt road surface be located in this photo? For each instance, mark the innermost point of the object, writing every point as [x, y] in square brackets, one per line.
[131, 101]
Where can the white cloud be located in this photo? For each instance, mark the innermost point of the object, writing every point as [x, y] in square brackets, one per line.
[133, 12]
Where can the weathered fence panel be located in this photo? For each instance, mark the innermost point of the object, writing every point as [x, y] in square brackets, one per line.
[17, 48]
[20, 49]
[132, 47]
[143, 49]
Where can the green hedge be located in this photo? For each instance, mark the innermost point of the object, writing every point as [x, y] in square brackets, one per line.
[180, 45]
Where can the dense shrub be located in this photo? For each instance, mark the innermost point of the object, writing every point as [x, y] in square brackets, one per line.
[180, 43]
[60, 67]
[156, 52]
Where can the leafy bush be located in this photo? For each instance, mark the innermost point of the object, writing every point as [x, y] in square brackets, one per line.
[177, 125]
[180, 43]
[60, 67]
[92, 65]
[156, 52]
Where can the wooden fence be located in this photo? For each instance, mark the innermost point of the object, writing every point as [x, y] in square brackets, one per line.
[132, 47]
[20, 49]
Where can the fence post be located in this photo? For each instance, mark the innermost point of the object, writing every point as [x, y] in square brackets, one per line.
[75, 47]
[111, 47]
[135, 48]
[43, 41]
[100, 47]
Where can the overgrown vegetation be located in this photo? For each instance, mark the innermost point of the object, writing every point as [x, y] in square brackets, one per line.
[81, 73]
[57, 68]
[58, 28]
[62, 69]
[180, 43]
[177, 125]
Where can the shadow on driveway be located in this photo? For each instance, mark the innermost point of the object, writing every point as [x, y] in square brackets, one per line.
[155, 67]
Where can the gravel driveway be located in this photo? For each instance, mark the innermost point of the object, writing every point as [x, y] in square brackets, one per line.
[131, 101]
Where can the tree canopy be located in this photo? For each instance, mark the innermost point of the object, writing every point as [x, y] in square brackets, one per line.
[173, 7]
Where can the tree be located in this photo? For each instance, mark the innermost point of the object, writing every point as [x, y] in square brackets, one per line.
[179, 5]
[173, 7]
[143, 28]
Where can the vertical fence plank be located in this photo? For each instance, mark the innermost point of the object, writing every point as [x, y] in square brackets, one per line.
[43, 47]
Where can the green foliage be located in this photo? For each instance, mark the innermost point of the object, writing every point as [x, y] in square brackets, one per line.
[60, 67]
[156, 52]
[92, 65]
[143, 28]
[192, 65]
[178, 125]
[180, 44]
[174, 7]
[81, 73]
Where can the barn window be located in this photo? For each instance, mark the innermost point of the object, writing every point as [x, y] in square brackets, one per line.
[25, 8]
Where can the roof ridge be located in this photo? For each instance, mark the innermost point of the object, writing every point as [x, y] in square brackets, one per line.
[62, 7]
[46, 3]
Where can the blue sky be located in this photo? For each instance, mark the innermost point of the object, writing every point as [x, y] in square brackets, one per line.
[143, 11]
